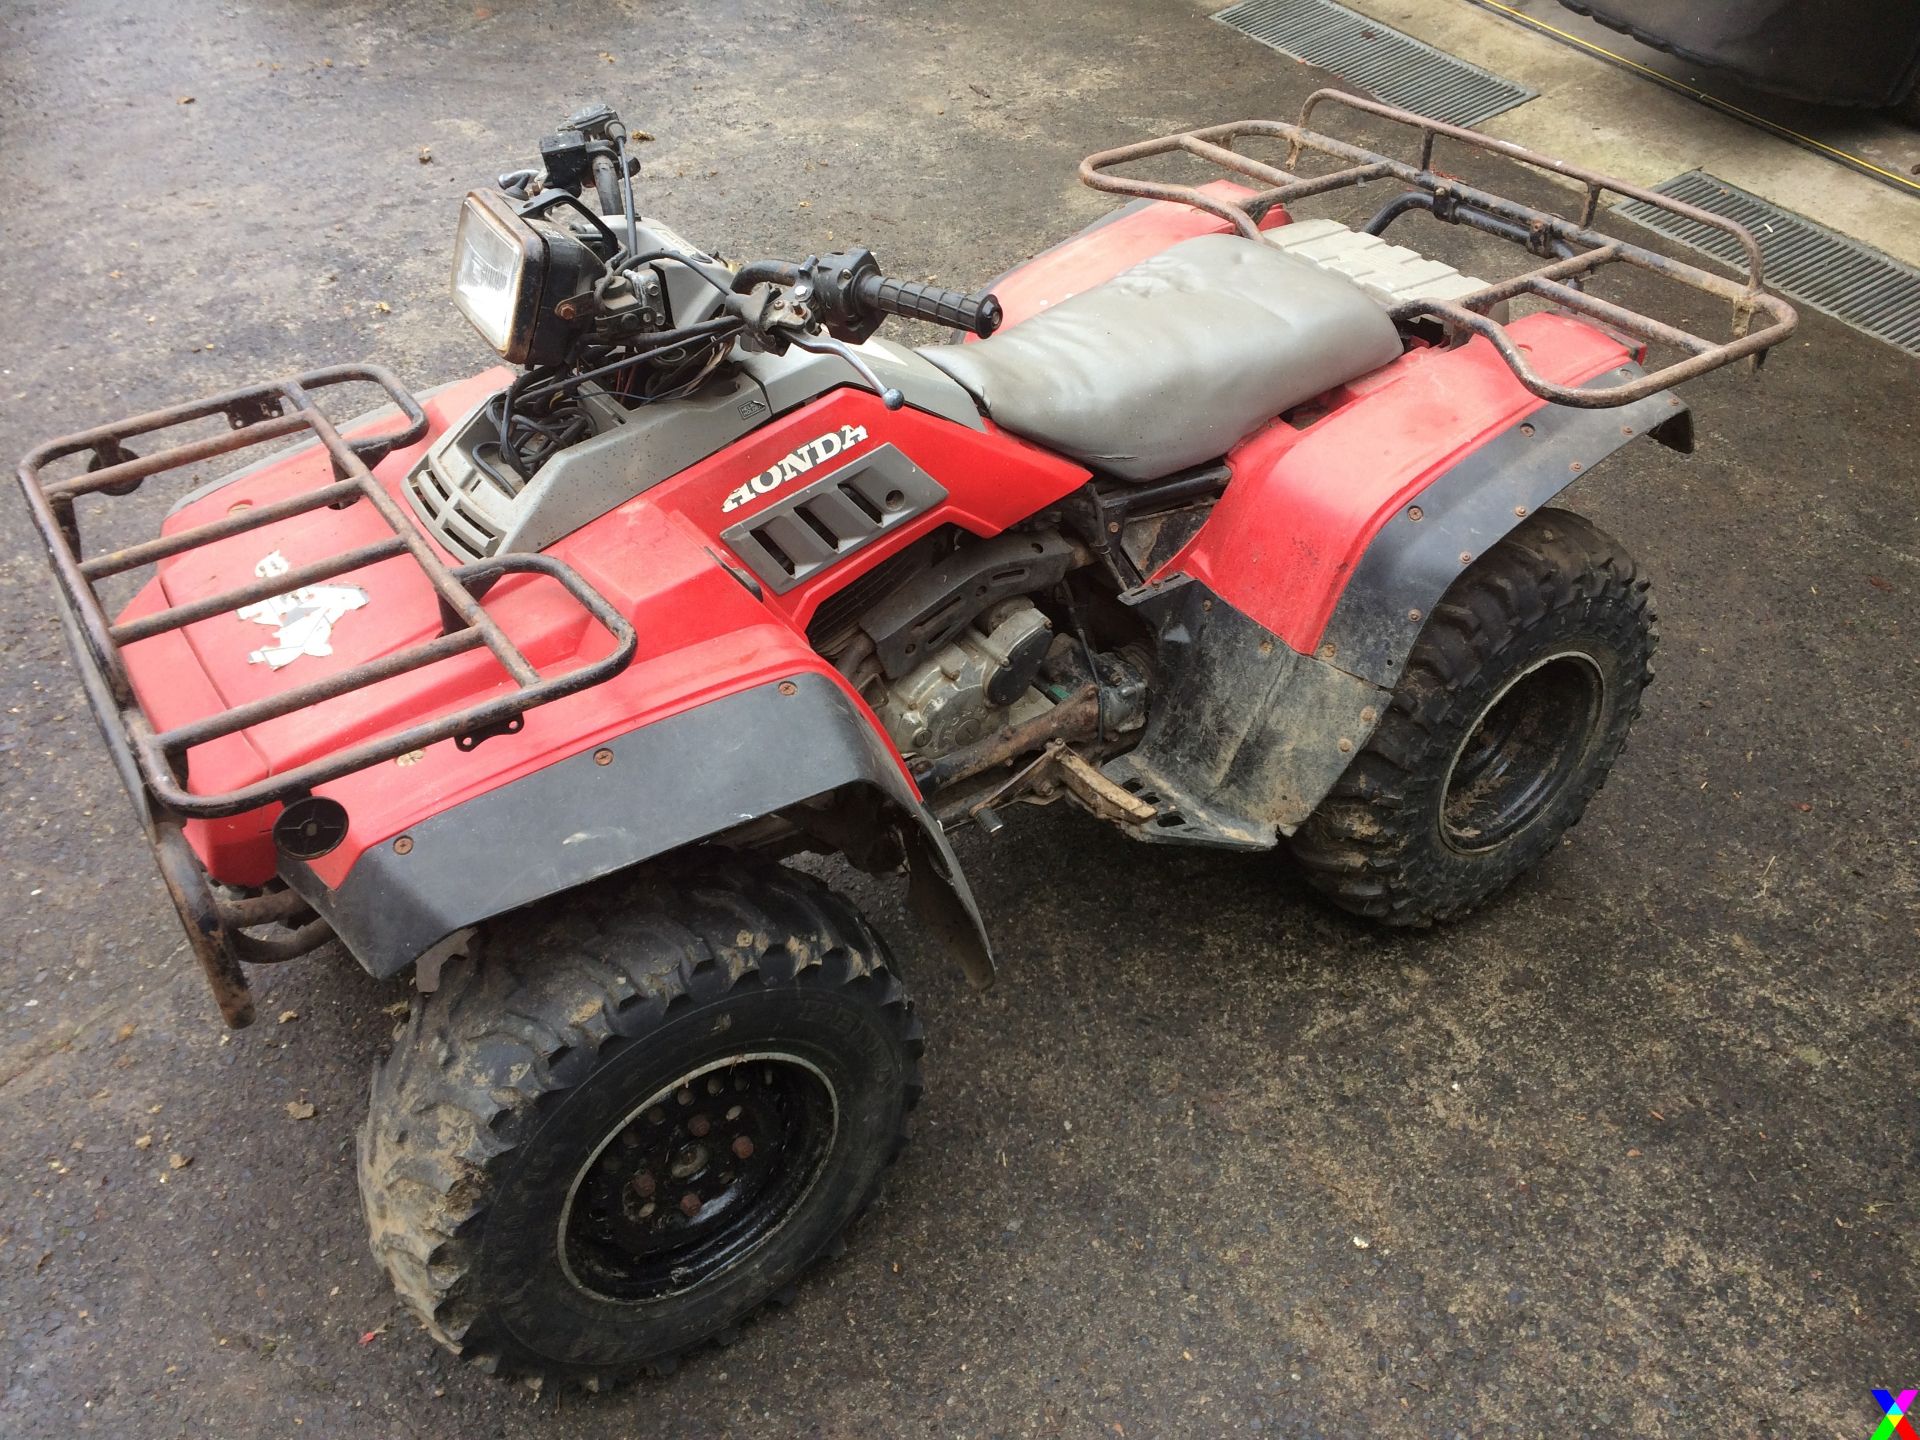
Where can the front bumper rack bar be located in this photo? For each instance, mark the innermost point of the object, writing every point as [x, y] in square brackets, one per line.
[1573, 248]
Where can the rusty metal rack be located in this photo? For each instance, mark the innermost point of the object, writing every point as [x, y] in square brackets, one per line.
[259, 414]
[154, 763]
[1573, 249]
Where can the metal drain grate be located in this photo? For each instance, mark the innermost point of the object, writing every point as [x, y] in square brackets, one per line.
[1392, 67]
[1849, 281]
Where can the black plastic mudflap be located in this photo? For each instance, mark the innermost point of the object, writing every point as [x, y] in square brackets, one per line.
[692, 777]
[1246, 734]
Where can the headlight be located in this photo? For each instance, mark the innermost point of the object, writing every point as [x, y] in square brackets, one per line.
[508, 275]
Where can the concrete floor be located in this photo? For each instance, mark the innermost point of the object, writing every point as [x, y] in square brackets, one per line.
[1591, 112]
[1630, 1153]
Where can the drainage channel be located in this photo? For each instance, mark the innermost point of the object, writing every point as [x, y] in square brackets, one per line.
[1870, 291]
[1390, 66]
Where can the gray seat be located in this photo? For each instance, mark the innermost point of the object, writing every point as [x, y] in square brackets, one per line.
[1170, 363]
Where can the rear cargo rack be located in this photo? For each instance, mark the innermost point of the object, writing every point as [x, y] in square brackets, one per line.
[260, 414]
[1572, 249]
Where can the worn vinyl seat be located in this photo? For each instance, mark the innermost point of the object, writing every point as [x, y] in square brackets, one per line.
[1170, 363]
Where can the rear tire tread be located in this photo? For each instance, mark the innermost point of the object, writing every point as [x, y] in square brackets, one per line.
[1355, 847]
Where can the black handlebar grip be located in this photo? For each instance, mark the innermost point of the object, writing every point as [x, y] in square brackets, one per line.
[979, 313]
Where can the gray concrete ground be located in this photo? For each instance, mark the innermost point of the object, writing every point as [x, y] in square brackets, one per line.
[1630, 1153]
[1594, 113]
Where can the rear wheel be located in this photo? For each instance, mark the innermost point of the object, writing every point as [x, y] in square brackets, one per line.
[1514, 705]
[637, 1119]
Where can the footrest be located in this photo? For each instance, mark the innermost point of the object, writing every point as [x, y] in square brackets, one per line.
[1180, 817]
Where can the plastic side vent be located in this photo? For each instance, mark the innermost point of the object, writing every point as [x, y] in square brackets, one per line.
[447, 513]
[834, 516]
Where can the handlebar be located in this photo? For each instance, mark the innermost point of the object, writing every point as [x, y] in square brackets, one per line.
[853, 296]
[978, 313]
[606, 184]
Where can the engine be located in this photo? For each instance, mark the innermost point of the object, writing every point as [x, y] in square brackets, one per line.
[979, 679]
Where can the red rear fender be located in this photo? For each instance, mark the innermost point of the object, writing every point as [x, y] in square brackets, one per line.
[1307, 505]
[1339, 538]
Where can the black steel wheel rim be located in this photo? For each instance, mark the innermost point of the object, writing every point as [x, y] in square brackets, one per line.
[1523, 749]
[698, 1176]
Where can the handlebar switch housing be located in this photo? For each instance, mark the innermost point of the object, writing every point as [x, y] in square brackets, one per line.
[568, 158]
[838, 293]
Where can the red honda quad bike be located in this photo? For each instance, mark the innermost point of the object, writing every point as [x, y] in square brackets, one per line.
[1235, 532]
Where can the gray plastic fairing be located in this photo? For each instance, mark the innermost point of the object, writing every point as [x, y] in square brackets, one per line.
[792, 379]
[635, 450]
[632, 450]
[1171, 362]
[687, 778]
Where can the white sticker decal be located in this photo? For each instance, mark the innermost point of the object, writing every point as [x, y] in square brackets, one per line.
[798, 461]
[302, 619]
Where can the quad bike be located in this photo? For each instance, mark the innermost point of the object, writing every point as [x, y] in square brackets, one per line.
[1235, 532]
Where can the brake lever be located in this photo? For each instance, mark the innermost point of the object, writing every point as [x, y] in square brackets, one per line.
[827, 345]
[780, 318]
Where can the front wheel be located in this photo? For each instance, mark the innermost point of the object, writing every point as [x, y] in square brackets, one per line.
[638, 1118]
[1513, 707]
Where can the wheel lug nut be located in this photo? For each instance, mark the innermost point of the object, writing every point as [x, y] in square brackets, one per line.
[733, 1112]
[689, 1204]
[698, 1126]
[644, 1185]
[685, 1097]
[743, 1147]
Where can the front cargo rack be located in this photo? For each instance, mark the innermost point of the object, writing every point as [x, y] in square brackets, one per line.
[1572, 249]
[260, 414]
[153, 763]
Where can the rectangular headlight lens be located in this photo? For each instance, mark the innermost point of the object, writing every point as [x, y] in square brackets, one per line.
[490, 271]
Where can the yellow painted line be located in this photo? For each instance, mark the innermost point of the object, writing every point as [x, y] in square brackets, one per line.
[1725, 106]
